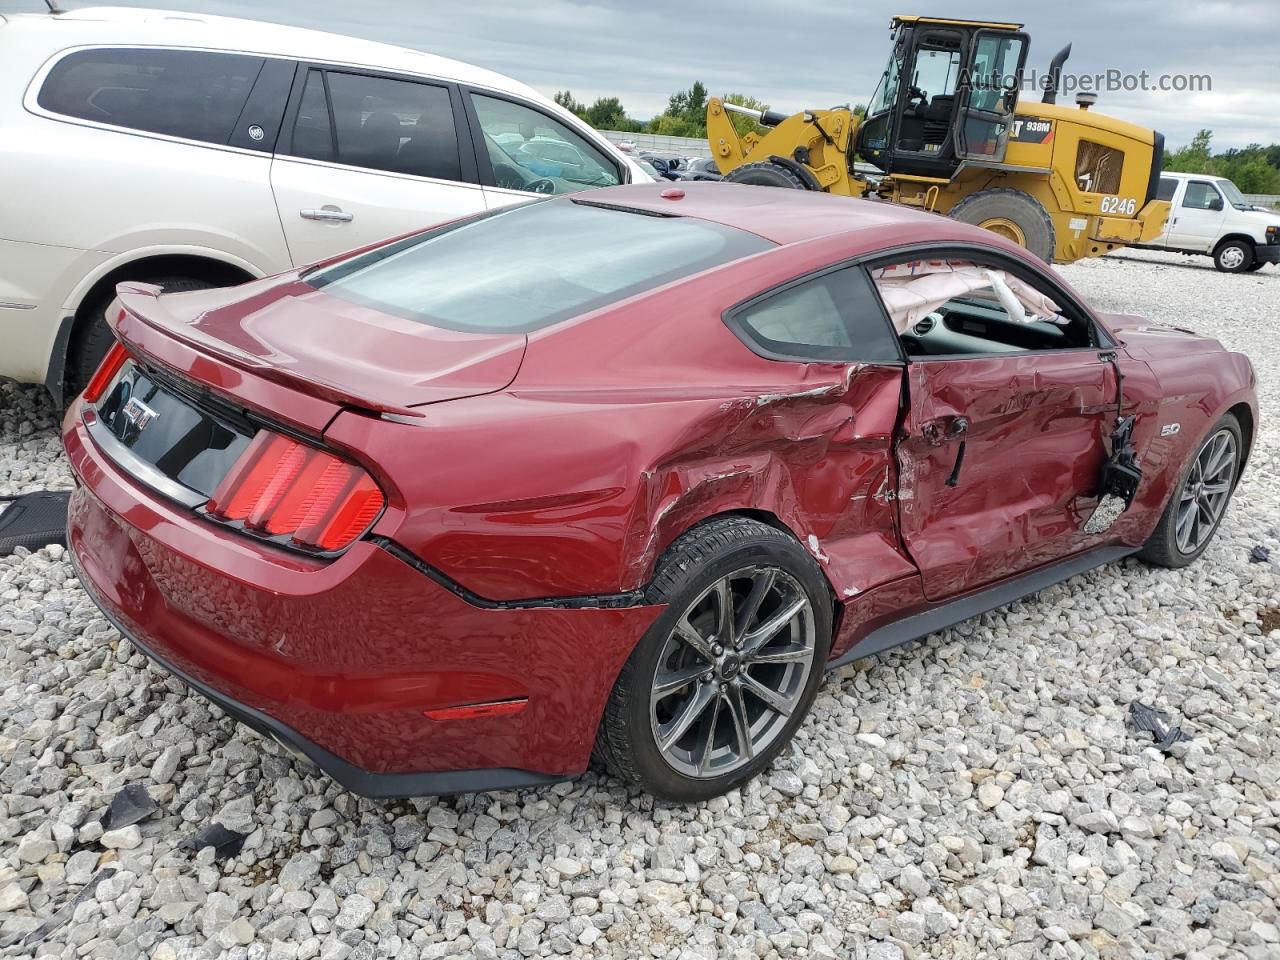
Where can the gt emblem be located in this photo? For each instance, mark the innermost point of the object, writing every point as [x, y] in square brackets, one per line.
[138, 413]
[1169, 429]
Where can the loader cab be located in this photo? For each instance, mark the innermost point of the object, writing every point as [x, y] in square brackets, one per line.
[946, 95]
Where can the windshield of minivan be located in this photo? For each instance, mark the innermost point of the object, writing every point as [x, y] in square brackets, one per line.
[526, 267]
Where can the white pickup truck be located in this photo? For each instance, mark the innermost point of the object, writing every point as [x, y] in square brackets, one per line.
[1210, 216]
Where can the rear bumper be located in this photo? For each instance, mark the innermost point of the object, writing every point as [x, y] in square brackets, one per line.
[353, 778]
[340, 660]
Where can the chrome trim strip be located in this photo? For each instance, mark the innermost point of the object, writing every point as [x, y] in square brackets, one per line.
[7, 305]
[138, 468]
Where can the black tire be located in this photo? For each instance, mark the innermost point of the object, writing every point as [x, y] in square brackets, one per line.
[1162, 548]
[765, 174]
[696, 562]
[1020, 208]
[93, 337]
[1233, 256]
[1255, 266]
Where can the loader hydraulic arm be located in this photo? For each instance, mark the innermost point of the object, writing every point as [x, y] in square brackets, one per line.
[817, 140]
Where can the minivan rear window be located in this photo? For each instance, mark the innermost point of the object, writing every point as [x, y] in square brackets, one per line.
[527, 267]
[192, 94]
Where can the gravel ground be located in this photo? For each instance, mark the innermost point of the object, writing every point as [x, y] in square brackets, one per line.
[973, 795]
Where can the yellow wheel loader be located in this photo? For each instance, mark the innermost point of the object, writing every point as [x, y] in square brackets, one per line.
[945, 131]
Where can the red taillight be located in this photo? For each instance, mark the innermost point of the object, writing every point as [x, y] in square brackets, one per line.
[280, 486]
[107, 370]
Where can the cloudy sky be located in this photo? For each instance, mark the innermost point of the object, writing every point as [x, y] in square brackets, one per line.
[806, 53]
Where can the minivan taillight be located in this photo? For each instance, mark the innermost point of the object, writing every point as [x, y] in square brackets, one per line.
[281, 487]
[106, 372]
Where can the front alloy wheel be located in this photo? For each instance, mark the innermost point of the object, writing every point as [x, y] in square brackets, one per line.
[732, 672]
[1205, 493]
[1200, 499]
[726, 673]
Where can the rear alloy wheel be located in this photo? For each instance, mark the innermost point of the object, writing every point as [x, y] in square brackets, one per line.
[725, 675]
[1234, 256]
[1196, 508]
[732, 672]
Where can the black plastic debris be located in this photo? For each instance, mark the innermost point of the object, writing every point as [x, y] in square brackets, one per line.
[1259, 554]
[226, 843]
[1153, 720]
[62, 914]
[33, 520]
[129, 806]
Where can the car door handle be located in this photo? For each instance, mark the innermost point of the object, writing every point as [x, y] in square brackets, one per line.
[328, 214]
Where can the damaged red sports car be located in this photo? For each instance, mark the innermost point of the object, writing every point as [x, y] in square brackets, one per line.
[620, 474]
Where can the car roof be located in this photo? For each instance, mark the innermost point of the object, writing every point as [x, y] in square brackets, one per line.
[1179, 175]
[145, 26]
[789, 216]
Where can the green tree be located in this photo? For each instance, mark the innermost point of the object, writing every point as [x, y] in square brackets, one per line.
[1193, 158]
[565, 99]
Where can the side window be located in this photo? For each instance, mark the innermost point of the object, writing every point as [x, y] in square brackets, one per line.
[379, 123]
[831, 317]
[1168, 187]
[179, 93]
[1202, 195]
[959, 308]
[531, 151]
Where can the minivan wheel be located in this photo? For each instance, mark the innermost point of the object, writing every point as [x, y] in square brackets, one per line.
[725, 675]
[1199, 501]
[94, 338]
[1234, 256]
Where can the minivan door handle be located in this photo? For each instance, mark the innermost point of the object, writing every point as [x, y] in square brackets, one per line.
[330, 214]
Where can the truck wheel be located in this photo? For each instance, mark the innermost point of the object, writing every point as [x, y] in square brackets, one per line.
[765, 174]
[93, 337]
[1233, 256]
[1012, 214]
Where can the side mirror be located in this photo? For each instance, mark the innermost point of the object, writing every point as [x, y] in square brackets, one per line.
[1215, 203]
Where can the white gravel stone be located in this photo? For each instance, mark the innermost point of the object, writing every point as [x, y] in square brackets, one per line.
[970, 796]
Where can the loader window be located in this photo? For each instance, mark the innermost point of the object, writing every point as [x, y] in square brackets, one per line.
[1098, 168]
[931, 97]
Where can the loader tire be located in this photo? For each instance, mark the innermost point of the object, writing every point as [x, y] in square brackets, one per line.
[1012, 214]
[765, 174]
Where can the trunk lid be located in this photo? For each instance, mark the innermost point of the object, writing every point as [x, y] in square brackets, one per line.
[284, 330]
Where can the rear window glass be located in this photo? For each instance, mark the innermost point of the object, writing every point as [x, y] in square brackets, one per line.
[530, 266]
[180, 93]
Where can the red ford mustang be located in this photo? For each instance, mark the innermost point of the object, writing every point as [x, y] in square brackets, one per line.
[622, 473]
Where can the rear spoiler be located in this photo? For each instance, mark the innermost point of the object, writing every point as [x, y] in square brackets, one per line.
[142, 302]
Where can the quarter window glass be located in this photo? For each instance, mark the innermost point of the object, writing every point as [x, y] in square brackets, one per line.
[531, 151]
[179, 93]
[831, 317]
[1168, 187]
[394, 125]
[1200, 195]
[312, 137]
